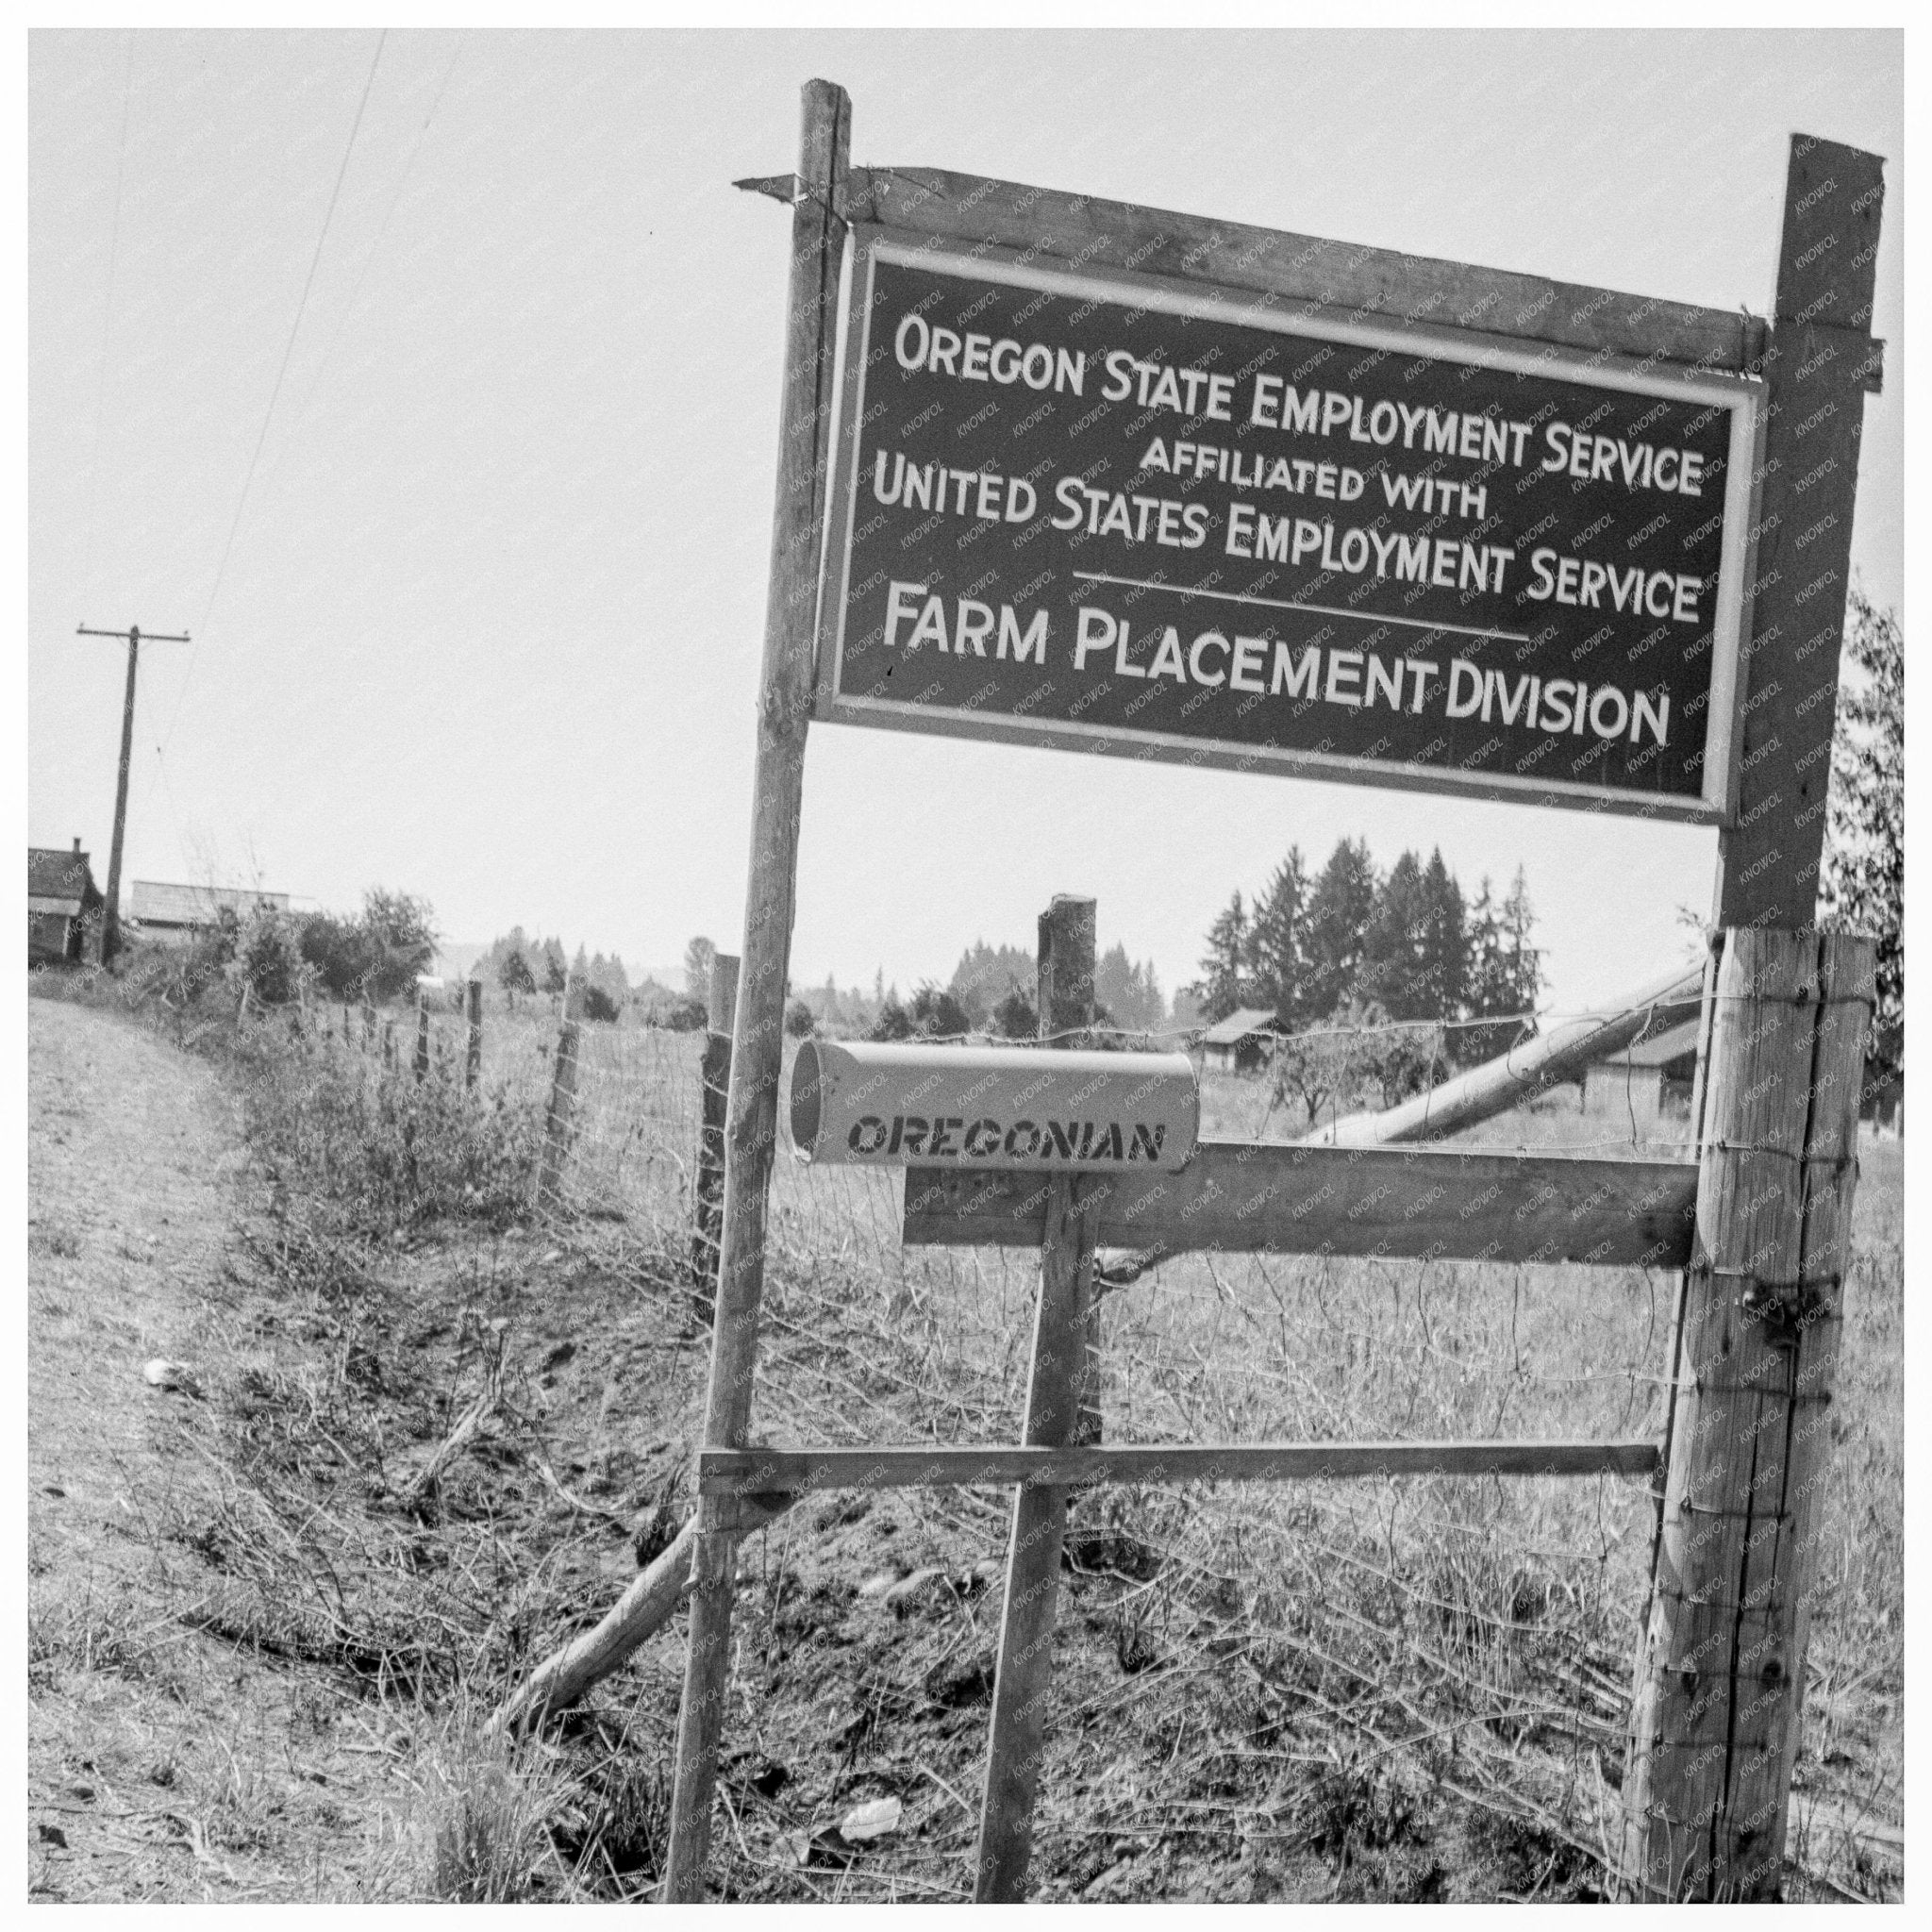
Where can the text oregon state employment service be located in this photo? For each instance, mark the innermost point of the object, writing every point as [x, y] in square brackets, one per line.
[1144, 520]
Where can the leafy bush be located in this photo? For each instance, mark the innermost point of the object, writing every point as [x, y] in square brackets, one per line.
[799, 1020]
[374, 956]
[514, 974]
[893, 1023]
[598, 1005]
[267, 957]
[677, 1016]
[937, 1015]
[337, 950]
[1016, 1017]
[385, 1152]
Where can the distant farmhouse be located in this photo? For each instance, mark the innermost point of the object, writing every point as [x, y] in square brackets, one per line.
[1241, 1043]
[173, 914]
[62, 901]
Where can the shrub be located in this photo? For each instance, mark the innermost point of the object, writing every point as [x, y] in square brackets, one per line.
[338, 951]
[893, 1023]
[677, 1016]
[1015, 1017]
[385, 1152]
[267, 957]
[799, 1020]
[598, 1005]
[935, 1014]
[401, 941]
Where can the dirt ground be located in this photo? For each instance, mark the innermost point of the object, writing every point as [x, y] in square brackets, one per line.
[163, 1763]
[259, 1655]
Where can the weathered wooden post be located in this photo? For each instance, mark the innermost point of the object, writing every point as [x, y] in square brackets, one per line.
[563, 1096]
[1721, 1668]
[1059, 1411]
[714, 1077]
[368, 1024]
[473, 1049]
[388, 1043]
[818, 240]
[422, 1067]
[1722, 1671]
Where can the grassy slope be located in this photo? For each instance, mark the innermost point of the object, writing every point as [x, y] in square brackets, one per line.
[1407, 1689]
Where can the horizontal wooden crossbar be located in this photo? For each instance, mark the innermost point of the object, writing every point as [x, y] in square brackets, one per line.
[1344, 275]
[1386, 1202]
[918, 1466]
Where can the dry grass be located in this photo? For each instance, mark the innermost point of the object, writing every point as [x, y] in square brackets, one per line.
[1406, 1690]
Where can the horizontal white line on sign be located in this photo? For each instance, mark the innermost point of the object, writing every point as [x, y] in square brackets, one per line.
[1467, 630]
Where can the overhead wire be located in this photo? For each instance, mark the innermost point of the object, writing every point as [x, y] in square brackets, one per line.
[94, 478]
[275, 394]
[382, 229]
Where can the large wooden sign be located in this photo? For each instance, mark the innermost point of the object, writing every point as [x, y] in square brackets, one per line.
[1107, 513]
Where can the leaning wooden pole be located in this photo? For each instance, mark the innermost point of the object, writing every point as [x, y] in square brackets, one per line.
[818, 239]
[1721, 1674]
[1546, 1059]
[1059, 1411]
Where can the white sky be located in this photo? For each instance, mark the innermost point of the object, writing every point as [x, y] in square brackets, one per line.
[490, 625]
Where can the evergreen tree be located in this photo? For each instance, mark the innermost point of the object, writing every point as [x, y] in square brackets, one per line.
[698, 956]
[514, 975]
[1392, 973]
[1444, 946]
[1277, 944]
[1224, 962]
[1340, 908]
[1130, 992]
[1490, 990]
[985, 975]
[1861, 886]
[1523, 962]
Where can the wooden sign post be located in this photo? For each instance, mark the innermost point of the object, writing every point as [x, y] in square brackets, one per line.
[1251, 499]
[818, 239]
[1720, 1672]
[1059, 1397]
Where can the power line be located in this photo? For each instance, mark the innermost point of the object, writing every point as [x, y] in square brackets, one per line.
[281, 374]
[94, 476]
[349, 308]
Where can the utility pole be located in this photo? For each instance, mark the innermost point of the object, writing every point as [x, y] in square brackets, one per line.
[110, 914]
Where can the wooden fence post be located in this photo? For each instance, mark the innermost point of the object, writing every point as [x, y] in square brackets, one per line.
[1720, 1672]
[563, 1096]
[421, 1034]
[368, 1024]
[473, 1049]
[388, 1043]
[714, 1076]
[818, 241]
[1058, 1411]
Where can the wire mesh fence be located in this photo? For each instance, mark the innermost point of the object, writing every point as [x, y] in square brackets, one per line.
[1244, 1672]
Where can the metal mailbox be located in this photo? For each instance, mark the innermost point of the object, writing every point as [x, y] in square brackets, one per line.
[894, 1104]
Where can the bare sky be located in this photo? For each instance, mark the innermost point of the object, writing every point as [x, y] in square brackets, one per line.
[490, 623]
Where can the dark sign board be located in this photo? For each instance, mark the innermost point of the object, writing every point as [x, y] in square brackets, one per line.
[1108, 514]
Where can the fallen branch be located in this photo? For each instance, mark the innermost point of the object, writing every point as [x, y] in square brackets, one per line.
[643, 1609]
[468, 1423]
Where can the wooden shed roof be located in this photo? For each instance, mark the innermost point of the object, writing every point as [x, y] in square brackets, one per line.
[1240, 1026]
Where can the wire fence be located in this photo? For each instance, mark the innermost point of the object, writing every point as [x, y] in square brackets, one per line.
[1261, 1672]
